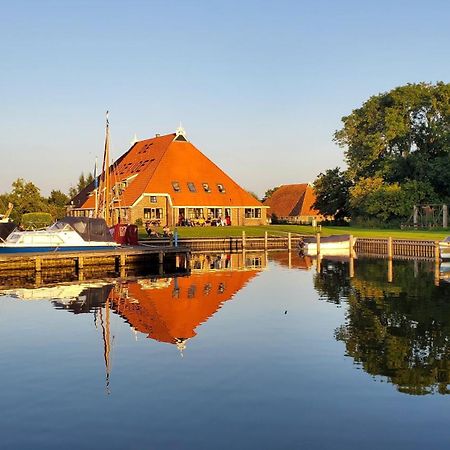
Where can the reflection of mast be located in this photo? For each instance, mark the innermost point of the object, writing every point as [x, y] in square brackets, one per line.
[104, 200]
[106, 342]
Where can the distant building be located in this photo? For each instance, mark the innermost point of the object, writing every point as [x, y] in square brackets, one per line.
[166, 180]
[293, 203]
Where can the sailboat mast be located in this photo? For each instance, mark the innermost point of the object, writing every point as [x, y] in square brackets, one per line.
[105, 207]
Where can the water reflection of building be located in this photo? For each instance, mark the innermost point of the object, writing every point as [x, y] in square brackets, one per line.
[226, 261]
[292, 260]
[399, 327]
[173, 312]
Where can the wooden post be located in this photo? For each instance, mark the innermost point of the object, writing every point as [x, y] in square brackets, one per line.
[390, 270]
[437, 263]
[445, 216]
[80, 263]
[318, 243]
[390, 248]
[351, 266]
[289, 242]
[265, 240]
[290, 259]
[351, 243]
[243, 240]
[38, 262]
[437, 252]
[161, 262]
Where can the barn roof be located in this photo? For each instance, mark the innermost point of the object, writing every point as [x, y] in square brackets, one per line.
[171, 164]
[292, 200]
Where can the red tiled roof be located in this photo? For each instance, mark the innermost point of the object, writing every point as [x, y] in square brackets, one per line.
[158, 162]
[292, 200]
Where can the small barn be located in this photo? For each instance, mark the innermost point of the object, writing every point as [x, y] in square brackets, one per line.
[293, 203]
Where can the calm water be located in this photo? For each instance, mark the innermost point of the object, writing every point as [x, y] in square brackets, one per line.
[245, 353]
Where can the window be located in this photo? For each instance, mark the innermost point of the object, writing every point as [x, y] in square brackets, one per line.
[176, 186]
[191, 186]
[195, 213]
[252, 213]
[206, 187]
[153, 214]
[153, 199]
[221, 188]
[214, 213]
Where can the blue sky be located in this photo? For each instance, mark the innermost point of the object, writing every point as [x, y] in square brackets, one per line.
[260, 86]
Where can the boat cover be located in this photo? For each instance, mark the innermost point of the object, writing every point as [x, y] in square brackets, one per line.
[90, 229]
[6, 228]
[325, 239]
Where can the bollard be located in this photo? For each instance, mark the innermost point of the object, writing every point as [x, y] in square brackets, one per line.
[318, 243]
[265, 240]
[243, 240]
[390, 248]
[289, 242]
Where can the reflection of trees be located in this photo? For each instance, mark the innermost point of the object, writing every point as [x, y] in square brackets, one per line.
[399, 330]
[332, 283]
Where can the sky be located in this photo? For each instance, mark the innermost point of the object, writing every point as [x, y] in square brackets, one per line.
[259, 86]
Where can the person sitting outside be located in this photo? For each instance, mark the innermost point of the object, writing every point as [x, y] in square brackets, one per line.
[152, 233]
[167, 232]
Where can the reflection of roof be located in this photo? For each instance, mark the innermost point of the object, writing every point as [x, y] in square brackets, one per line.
[292, 200]
[297, 261]
[172, 314]
[156, 163]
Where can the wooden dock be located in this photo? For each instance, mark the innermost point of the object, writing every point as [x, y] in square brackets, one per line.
[118, 262]
[289, 241]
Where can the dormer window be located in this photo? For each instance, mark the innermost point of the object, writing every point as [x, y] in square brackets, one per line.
[191, 186]
[176, 186]
[221, 188]
[206, 187]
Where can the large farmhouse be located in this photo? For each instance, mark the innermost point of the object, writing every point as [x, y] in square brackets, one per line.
[167, 181]
[293, 203]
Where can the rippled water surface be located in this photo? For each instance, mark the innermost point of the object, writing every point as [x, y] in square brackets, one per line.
[248, 352]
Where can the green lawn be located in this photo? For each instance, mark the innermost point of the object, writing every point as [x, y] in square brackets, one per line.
[436, 234]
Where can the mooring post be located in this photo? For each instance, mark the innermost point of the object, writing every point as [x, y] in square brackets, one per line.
[390, 248]
[289, 242]
[265, 240]
[437, 264]
[445, 216]
[175, 238]
[161, 262]
[243, 240]
[351, 266]
[38, 263]
[390, 270]
[318, 243]
[351, 243]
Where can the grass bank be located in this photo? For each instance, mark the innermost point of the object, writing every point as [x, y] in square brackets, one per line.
[193, 232]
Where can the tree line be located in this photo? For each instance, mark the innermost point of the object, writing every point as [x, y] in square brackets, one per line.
[397, 152]
[26, 198]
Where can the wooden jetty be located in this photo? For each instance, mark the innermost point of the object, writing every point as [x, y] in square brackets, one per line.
[155, 259]
[288, 241]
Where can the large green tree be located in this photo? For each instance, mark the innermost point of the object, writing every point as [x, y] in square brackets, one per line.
[397, 149]
[332, 193]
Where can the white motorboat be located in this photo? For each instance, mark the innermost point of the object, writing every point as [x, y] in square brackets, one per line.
[444, 247]
[69, 234]
[335, 245]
